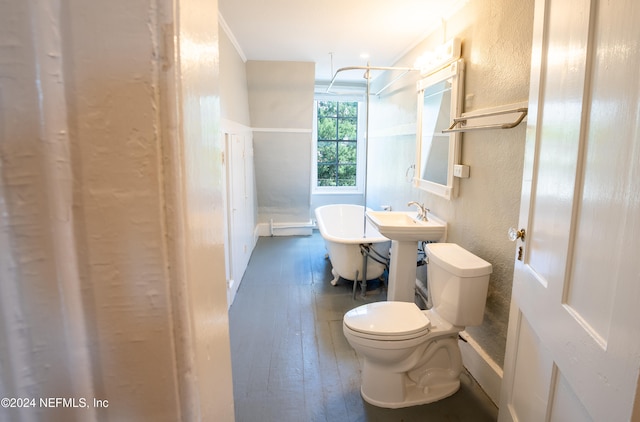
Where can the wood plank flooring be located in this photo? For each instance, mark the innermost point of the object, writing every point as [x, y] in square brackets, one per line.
[290, 359]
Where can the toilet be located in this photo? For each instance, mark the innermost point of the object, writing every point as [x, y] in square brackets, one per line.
[411, 356]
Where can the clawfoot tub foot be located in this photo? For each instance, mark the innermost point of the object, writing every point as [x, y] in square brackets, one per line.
[336, 277]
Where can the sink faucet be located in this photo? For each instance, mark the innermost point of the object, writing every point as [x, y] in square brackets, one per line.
[422, 211]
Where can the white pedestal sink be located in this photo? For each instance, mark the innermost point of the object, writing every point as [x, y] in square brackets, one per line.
[405, 231]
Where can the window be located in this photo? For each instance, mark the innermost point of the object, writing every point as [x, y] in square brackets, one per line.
[338, 143]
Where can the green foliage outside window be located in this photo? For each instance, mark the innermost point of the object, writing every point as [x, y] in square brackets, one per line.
[337, 143]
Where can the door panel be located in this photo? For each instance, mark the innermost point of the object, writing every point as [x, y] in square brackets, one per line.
[565, 406]
[573, 345]
[532, 374]
[559, 127]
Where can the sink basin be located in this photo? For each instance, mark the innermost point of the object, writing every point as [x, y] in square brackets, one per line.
[405, 226]
[405, 229]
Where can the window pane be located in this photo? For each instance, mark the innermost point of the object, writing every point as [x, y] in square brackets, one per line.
[348, 109]
[337, 143]
[347, 129]
[347, 152]
[326, 175]
[327, 128]
[327, 152]
[327, 109]
[347, 175]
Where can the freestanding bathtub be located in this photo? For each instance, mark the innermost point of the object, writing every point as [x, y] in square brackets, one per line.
[342, 227]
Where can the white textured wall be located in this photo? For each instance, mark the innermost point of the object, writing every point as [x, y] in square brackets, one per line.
[281, 108]
[496, 38]
[41, 314]
[111, 256]
[204, 364]
[234, 97]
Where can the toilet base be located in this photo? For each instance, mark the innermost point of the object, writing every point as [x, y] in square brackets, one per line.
[430, 373]
[416, 395]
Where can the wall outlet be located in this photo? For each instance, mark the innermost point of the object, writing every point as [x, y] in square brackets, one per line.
[460, 170]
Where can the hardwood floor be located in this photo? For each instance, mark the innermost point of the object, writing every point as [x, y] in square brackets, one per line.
[291, 361]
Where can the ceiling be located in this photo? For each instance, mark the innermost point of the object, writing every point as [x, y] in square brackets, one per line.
[332, 33]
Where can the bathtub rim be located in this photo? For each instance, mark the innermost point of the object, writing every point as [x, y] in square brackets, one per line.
[349, 240]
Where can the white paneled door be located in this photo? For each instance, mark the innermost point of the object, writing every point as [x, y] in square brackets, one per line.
[239, 239]
[573, 347]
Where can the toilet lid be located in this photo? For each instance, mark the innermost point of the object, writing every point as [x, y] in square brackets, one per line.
[387, 319]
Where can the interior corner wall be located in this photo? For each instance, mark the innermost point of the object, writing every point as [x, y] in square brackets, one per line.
[281, 109]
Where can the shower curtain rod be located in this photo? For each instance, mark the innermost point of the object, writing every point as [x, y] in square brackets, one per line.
[368, 68]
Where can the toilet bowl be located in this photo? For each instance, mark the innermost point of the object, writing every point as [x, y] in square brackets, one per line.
[411, 356]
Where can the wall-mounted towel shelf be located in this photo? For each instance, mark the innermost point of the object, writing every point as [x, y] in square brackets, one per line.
[492, 119]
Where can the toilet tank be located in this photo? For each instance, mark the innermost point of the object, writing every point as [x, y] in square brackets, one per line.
[457, 282]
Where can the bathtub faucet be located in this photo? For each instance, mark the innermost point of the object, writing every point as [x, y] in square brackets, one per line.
[422, 211]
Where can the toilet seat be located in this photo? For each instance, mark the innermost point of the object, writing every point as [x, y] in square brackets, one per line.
[388, 321]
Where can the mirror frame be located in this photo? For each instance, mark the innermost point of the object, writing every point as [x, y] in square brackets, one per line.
[455, 72]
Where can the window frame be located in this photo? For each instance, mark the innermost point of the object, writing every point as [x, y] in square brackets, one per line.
[360, 148]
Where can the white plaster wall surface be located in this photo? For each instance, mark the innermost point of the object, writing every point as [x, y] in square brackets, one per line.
[392, 146]
[82, 180]
[116, 148]
[282, 168]
[234, 97]
[203, 198]
[33, 325]
[281, 94]
[496, 38]
[111, 204]
[281, 108]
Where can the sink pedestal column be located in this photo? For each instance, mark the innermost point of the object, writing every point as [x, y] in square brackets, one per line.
[402, 271]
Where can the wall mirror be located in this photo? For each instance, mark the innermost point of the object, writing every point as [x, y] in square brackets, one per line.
[440, 96]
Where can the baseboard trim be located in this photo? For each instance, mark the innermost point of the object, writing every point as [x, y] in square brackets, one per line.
[481, 367]
[285, 229]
